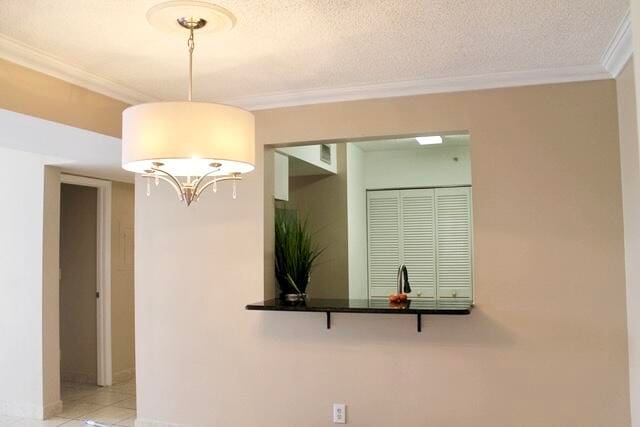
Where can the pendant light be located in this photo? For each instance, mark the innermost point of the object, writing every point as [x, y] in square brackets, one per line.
[189, 145]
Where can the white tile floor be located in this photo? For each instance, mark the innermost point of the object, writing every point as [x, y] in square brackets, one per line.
[112, 406]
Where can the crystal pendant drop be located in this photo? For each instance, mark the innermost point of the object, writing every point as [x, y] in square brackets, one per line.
[235, 190]
[157, 180]
[148, 187]
[215, 185]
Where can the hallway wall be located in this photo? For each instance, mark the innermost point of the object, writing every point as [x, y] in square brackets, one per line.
[122, 293]
[78, 263]
[77, 300]
[322, 200]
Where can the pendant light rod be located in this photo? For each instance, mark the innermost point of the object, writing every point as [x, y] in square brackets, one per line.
[191, 23]
[192, 45]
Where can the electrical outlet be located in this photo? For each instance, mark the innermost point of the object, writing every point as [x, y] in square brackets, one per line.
[339, 413]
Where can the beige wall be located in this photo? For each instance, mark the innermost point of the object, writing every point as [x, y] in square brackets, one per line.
[630, 168]
[545, 346]
[122, 299]
[635, 31]
[29, 92]
[632, 292]
[51, 292]
[322, 199]
[78, 263]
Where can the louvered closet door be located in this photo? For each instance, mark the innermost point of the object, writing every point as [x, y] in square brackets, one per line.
[453, 242]
[418, 241]
[383, 234]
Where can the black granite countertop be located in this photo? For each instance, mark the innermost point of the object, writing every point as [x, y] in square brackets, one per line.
[380, 306]
[455, 306]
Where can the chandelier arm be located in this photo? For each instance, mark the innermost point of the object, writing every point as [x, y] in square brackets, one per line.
[175, 186]
[170, 178]
[166, 174]
[232, 177]
[198, 181]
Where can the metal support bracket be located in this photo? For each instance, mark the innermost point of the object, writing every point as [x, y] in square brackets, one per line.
[418, 320]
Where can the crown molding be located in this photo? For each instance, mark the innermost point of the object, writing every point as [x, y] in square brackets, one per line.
[422, 87]
[620, 48]
[27, 56]
[612, 62]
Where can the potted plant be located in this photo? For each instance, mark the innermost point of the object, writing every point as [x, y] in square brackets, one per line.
[295, 254]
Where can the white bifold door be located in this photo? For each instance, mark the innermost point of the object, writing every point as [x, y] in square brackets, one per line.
[428, 230]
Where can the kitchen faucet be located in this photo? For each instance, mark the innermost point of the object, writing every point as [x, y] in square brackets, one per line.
[403, 280]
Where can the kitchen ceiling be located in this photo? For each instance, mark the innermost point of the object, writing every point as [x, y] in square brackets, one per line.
[412, 144]
[303, 51]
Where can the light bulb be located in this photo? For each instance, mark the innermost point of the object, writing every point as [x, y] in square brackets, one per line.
[148, 187]
[235, 192]
[215, 185]
[157, 180]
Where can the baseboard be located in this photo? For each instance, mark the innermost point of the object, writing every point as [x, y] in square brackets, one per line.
[52, 409]
[140, 422]
[79, 377]
[91, 378]
[123, 375]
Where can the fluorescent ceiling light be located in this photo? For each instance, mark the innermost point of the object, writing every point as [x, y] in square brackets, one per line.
[429, 140]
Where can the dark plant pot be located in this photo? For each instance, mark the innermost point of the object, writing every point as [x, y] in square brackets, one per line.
[294, 297]
[289, 293]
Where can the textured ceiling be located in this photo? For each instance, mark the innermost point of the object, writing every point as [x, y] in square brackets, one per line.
[297, 45]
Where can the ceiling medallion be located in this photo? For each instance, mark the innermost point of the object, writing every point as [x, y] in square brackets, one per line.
[189, 145]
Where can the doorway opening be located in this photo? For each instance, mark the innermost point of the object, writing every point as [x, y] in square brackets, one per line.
[78, 284]
[97, 363]
[85, 280]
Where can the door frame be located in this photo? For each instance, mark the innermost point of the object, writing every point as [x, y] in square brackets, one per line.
[103, 271]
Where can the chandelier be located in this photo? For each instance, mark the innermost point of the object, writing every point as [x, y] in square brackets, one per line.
[187, 144]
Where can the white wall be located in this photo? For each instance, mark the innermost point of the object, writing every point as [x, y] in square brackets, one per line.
[28, 306]
[356, 223]
[428, 167]
[188, 318]
[280, 176]
[78, 151]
